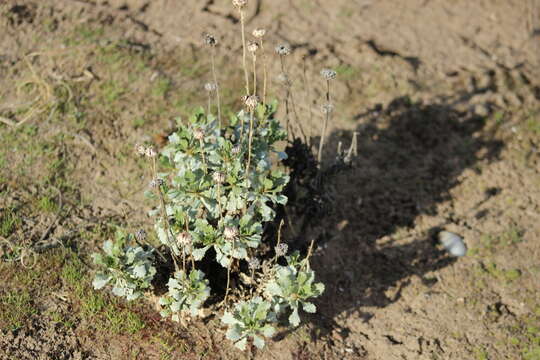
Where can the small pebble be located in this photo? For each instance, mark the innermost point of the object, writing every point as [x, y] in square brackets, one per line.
[453, 243]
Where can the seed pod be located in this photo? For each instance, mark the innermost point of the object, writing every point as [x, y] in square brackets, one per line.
[327, 109]
[218, 177]
[140, 149]
[150, 152]
[281, 249]
[254, 263]
[184, 238]
[236, 150]
[283, 49]
[230, 233]
[252, 101]
[156, 183]
[198, 134]
[210, 87]
[210, 40]
[328, 74]
[239, 3]
[140, 235]
[259, 33]
[453, 243]
[252, 47]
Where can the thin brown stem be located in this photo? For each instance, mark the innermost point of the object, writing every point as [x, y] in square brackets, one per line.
[278, 239]
[310, 252]
[165, 220]
[326, 120]
[244, 62]
[308, 98]
[249, 142]
[217, 85]
[321, 143]
[201, 143]
[219, 200]
[209, 104]
[254, 74]
[265, 75]
[229, 275]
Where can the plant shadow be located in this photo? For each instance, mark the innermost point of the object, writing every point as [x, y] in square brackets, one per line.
[362, 216]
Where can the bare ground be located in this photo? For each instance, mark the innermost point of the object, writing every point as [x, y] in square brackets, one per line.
[444, 96]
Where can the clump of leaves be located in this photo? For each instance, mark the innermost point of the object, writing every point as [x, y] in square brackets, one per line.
[186, 294]
[292, 286]
[210, 177]
[127, 268]
[217, 186]
[249, 320]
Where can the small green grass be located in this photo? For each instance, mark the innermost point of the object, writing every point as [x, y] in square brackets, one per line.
[507, 276]
[111, 91]
[9, 221]
[481, 354]
[161, 87]
[47, 204]
[16, 307]
[347, 72]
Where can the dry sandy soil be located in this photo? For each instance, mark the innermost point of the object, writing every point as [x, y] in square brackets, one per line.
[443, 94]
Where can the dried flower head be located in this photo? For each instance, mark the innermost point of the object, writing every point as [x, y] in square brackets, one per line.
[259, 33]
[328, 74]
[254, 263]
[327, 108]
[230, 233]
[150, 152]
[156, 183]
[252, 47]
[210, 87]
[210, 40]
[236, 150]
[218, 177]
[281, 249]
[252, 101]
[239, 3]
[198, 134]
[283, 49]
[184, 238]
[140, 149]
[140, 235]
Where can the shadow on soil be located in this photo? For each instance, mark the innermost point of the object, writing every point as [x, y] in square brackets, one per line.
[409, 157]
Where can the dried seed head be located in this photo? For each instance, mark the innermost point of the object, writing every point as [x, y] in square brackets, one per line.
[259, 33]
[281, 249]
[150, 152]
[252, 101]
[283, 49]
[327, 109]
[239, 3]
[156, 183]
[140, 235]
[210, 40]
[218, 177]
[254, 263]
[140, 149]
[210, 87]
[184, 238]
[328, 74]
[198, 134]
[230, 233]
[252, 47]
[236, 150]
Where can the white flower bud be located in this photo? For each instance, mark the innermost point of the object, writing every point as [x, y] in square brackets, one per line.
[259, 33]
[230, 233]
